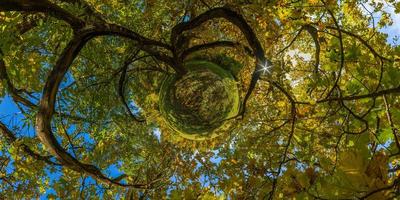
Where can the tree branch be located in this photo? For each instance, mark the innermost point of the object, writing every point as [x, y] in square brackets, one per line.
[246, 30]
[341, 50]
[14, 92]
[87, 8]
[364, 42]
[43, 6]
[121, 86]
[46, 111]
[216, 44]
[349, 98]
[292, 41]
[10, 137]
[395, 183]
[314, 34]
[390, 119]
[293, 122]
[47, 104]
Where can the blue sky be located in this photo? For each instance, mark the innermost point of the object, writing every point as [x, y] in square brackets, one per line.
[393, 31]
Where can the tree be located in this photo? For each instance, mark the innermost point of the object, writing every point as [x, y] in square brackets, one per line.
[199, 99]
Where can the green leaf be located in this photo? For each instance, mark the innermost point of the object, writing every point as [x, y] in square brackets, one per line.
[385, 135]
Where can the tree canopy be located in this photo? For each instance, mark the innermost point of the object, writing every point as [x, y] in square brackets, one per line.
[199, 99]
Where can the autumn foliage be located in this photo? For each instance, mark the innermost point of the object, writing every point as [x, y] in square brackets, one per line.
[290, 100]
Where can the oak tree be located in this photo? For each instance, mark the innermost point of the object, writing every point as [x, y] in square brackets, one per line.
[199, 99]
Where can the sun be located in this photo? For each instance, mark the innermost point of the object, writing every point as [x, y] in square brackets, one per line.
[265, 67]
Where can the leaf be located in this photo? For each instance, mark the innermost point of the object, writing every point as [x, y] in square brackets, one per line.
[385, 135]
[397, 7]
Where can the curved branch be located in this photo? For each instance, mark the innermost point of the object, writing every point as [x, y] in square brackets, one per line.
[114, 29]
[10, 137]
[46, 111]
[47, 103]
[14, 92]
[121, 87]
[211, 45]
[152, 47]
[244, 27]
[314, 34]
[43, 6]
